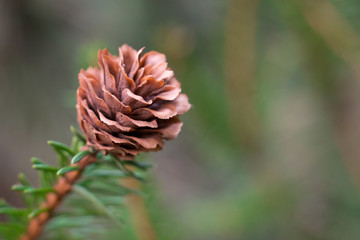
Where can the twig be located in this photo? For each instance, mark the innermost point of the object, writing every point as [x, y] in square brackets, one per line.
[53, 199]
[138, 212]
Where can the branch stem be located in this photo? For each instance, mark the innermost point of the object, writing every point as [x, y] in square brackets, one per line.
[53, 199]
[139, 215]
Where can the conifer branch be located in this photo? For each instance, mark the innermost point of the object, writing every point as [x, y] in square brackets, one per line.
[53, 199]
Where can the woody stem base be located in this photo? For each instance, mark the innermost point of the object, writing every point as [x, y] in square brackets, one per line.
[53, 199]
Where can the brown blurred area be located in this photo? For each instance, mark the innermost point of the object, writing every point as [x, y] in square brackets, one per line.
[269, 149]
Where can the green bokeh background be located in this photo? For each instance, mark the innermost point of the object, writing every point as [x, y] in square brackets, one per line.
[270, 148]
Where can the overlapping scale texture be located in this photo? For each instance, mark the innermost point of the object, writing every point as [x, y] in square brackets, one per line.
[130, 103]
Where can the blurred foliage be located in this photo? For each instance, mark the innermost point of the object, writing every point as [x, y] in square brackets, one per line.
[302, 179]
[96, 201]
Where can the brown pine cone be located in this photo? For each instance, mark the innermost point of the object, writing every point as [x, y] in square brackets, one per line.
[130, 104]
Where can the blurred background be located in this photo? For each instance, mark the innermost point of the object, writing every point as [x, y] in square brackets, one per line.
[269, 149]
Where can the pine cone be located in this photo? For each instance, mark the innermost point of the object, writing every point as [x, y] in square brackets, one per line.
[131, 104]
